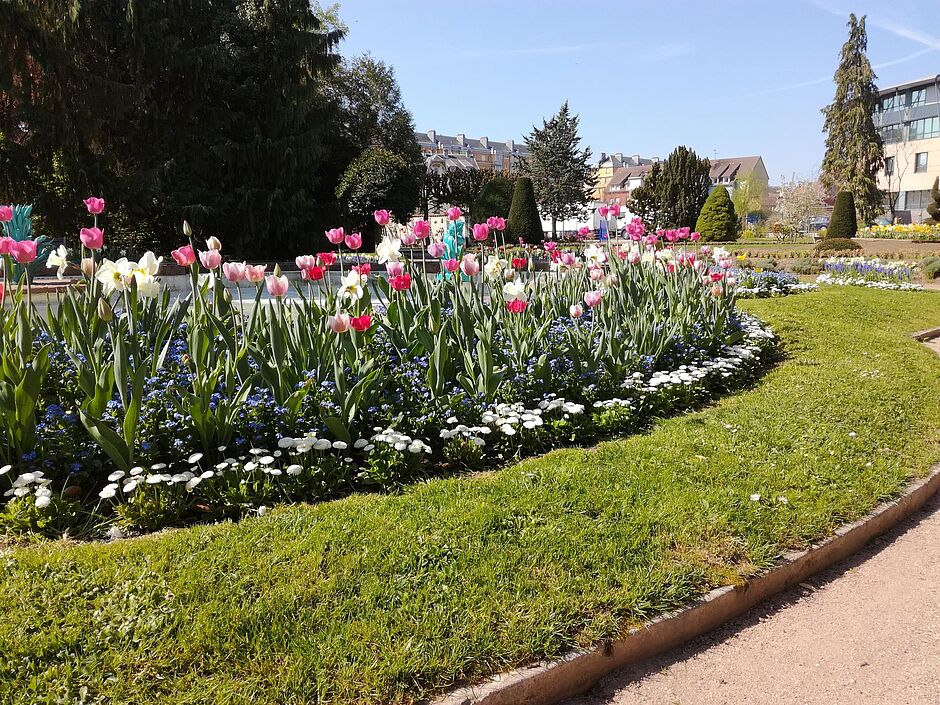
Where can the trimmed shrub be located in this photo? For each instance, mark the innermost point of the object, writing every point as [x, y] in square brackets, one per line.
[931, 267]
[806, 266]
[934, 207]
[717, 220]
[837, 244]
[495, 198]
[524, 221]
[843, 223]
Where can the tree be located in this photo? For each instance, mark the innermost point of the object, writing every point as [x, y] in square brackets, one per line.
[718, 220]
[459, 187]
[748, 195]
[842, 222]
[933, 208]
[495, 198]
[674, 191]
[378, 178]
[798, 201]
[561, 173]
[854, 151]
[524, 222]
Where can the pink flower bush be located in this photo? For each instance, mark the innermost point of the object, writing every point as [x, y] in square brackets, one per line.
[94, 205]
[92, 238]
[184, 256]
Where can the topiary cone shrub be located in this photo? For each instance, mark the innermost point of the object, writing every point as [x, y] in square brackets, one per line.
[524, 221]
[934, 207]
[842, 223]
[718, 221]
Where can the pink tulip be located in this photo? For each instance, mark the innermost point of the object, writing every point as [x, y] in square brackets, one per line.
[491, 222]
[634, 257]
[597, 274]
[305, 261]
[584, 232]
[6, 214]
[276, 285]
[255, 273]
[335, 235]
[454, 213]
[184, 256]
[500, 224]
[6, 245]
[354, 240]
[469, 265]
[437, 249]
[451, 265]
[394, 269]
[381, 217]
[568, 258]
[211, 259]
[593, 298]
[339, 323]
[24, 251]
[363, 270]
[234, 271]
[408, 239]
[92, 238]
[94, 205]
[400, 282]
[517, 305]
[603, 211]
[421, 229]
[481, 231]
[613, 210]
[327, 259]
[576, 310]
[694, 237]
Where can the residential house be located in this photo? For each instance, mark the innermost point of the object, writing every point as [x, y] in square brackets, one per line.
[446, 153]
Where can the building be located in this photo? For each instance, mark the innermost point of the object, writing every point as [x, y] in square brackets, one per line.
[908, 119]
[446, 153]
[608, 164]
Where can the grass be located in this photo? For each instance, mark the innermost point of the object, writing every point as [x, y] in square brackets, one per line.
[392, 598]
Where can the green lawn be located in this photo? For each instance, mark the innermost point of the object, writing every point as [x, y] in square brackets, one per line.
[390, 598]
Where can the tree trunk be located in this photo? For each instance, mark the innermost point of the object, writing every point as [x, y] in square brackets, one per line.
[554, 229]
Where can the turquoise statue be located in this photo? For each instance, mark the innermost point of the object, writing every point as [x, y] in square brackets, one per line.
[21, 228]
[454, 240]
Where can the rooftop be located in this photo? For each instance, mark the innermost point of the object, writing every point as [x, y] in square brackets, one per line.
[434, 139]
[910, 84]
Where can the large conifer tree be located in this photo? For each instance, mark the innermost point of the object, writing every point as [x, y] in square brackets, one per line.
[854, 151]
[674, 191]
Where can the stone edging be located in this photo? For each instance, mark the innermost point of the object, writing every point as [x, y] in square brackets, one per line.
[926, 335]
[548, 682]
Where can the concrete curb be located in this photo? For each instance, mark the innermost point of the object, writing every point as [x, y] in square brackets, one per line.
[926, 335]
[549, 682]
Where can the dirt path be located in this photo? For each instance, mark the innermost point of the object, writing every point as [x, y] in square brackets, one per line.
[865, 632]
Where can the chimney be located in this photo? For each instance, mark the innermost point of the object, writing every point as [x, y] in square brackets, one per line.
[636, 159]
[461, 138]
[603, 157]
[655, 160]
[432, 135]
[619, 156]
[485, 141]
[510, 145]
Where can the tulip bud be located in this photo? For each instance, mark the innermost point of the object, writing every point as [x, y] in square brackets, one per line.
[277, 270]
[104, 310]
[88, 267]
[213, 243]
[226, 295]
[187, 231]
[612, 281]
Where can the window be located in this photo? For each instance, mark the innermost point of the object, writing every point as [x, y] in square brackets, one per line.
[916, 200]
[918, 97]
[890, 134]
[889, 166]
[924, 129]
[890, 102]
[920, 162]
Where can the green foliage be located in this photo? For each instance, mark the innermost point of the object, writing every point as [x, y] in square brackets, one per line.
[933, 208]
[837, 244]
[718, 221]
[842, 223]
[524, 222]
[561, 173]
[854, 151]
[806, 266]
[495, 198]
[460, 187]
[930, 266]
[748, 195]
[674, 191]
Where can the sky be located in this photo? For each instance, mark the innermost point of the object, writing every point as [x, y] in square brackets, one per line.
[725, 77]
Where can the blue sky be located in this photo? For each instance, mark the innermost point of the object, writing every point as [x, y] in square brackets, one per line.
[724, 77]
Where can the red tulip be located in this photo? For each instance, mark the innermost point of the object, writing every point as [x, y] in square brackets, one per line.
[361, 323]
[313, 273]
[401, 282]
[327, 259]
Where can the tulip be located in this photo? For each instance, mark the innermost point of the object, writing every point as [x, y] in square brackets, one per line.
[362, 270]
[6, 245]
[491, 222]
[339, 323]
[602, 211]
[104, 310]
[516, 306]
[354, 241]
[576, 310]
[2, 292]
[596, 274]
[187, 229]
[184, 256]
[335, 235]
[88, 267]
[408, 239]
[276, 285]
[694, 237]
[716, 290]
[361, 323]
[469, 265]
[94, 205]
[400, 282]
[634, 257]
[24, 251]
[454, 213]
[211, 259]
[305, 261]
[92, 238]
[593, 298]
[451, 265]
[255, 273]
[612, 281]
[500, 224]
[394, 269]
[313, 274]
[6, 214]
[421, 229]
[481, 231]
[437, 249]
[613, 210]
[213, 243]
[509, 275]
[550, 246]
[568, 258]
[584, 231]
[519, 262]
[326, 259]
[234, 271]
[381, 217]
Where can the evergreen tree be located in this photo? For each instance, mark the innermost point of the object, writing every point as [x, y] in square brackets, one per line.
[674, 191]
[495, 198]
[561, 173]
[524, 222]
[842, 222]
[934, 207]
[854, 151]
[718, 220]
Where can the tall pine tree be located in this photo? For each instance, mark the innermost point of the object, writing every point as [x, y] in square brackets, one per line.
[854, 151]
[561, 173]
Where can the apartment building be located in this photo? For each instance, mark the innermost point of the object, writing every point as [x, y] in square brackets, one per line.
[445, 152]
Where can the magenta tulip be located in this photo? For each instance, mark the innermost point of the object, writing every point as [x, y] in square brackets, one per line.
[602, 211]
[354, 240]
[451, 265]
[421, 229]
[613, 210]
[481, 231]
[335, 235]
[454, 213]
[94, 205]
[92, 238]
[381, 217]
[6, 214]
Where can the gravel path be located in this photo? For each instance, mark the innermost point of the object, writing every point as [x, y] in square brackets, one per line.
[865, 632]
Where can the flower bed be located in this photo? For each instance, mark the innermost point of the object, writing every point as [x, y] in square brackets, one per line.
[919, 232]
[763, 283]
[868, 272]
[140, 411]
